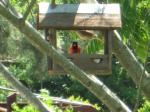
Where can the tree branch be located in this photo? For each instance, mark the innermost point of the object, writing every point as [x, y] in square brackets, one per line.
[129, 61]
[28, 10]
[22, 89]
[9, 61]
[131, 64]
[89, 81]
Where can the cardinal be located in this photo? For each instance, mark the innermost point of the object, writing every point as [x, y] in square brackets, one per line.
[74, 48]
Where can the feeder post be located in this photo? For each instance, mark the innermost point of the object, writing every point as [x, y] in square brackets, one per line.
[50, 36]
[108, 46]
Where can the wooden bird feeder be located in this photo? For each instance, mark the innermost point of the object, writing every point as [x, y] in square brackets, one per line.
[102, 17]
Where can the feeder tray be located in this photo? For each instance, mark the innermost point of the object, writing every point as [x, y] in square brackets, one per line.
[101, 17]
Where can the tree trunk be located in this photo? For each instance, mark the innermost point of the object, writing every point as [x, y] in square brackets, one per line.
[89, 81]
[22, 89]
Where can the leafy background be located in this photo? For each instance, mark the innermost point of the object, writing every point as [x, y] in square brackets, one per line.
[31, 67]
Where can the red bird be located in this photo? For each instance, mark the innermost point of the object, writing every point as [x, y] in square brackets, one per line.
[75, 48]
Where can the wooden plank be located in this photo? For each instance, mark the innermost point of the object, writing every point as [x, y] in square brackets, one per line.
[89, 62]
[50, 36]
[45, 7]
[79, 16]
[108, 47]
[95, 63]
[105, 71]
[110, 32]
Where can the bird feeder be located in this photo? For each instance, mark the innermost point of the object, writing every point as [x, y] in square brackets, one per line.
[101, 17]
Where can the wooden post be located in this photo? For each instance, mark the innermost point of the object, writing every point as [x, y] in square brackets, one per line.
[108, 46]
[50, 36]
[110, 49]
[106, 50]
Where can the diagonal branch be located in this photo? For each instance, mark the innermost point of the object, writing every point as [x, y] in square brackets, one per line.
[28, 10]
[131, 64]
[6, 3]
[89, 81]
[22, 89]
[129, 61]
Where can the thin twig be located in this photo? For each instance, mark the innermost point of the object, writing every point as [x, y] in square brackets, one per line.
[28, 9]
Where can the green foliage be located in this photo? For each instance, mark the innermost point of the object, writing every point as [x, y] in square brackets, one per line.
[94, 46]
[145, 107]
[32, 67]
[26, 109]
[21, 72]
[3, 93]
[4, 34]
[73, 98]
[121, 84]
[46, 100]
[135, 16]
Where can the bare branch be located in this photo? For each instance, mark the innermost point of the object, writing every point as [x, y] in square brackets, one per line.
[9, 61]
[22, 89]
[7, 89]
[28, 10]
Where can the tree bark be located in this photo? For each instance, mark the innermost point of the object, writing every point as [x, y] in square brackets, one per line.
[22, 89]
[89, 81]
[131, 64]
